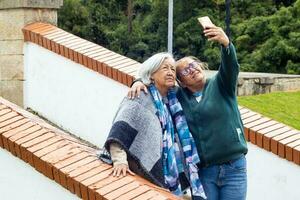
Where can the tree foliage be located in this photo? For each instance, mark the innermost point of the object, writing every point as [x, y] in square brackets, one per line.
[266, 33]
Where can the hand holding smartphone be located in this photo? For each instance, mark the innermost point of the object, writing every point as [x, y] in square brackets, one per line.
[212, 32]
[205, 22]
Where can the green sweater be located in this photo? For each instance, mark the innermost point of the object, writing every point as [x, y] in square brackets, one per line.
[215, 121]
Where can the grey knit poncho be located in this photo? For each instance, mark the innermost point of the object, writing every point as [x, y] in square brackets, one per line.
[137, 130]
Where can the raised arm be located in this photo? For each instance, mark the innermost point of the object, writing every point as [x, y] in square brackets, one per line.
[229, 67]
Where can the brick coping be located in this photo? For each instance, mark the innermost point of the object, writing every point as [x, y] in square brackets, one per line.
[67, 160]
[271, 135]
[88, 54]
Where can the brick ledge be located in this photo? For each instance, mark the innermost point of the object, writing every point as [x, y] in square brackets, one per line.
[67, 160]
[88, 54]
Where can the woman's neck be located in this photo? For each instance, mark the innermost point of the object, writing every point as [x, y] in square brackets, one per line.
[163, 91]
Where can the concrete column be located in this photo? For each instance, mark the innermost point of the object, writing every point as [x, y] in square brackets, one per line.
[14, 15]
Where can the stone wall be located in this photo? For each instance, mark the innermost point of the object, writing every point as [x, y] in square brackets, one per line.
[252, 83]
[267, 84]
[14, 16]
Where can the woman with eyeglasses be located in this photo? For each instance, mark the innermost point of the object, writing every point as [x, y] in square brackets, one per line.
[211, 109]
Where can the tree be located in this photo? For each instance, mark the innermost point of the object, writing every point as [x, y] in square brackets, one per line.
[266, 33]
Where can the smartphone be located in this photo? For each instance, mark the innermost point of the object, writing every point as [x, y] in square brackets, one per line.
[205, 22]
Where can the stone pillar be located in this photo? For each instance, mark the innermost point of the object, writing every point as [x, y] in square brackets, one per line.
[14, 15]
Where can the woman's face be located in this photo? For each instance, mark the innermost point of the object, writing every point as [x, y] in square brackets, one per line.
[164, 77]
[189, 72]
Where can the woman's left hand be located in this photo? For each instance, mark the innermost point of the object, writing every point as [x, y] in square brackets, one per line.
[216, 34]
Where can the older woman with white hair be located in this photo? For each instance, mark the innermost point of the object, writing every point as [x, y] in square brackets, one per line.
[150, 136]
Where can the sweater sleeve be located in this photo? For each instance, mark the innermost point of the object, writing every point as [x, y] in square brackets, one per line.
[118, 155]
[229, 69]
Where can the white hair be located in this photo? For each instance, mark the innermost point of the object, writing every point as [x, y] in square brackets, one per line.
[151, 65]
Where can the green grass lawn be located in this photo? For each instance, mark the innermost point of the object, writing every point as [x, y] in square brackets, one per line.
[280, 106]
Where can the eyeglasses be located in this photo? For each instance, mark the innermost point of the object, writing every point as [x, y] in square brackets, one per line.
[187, 70]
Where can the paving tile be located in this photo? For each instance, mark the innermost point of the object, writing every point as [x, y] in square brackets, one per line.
[59, 155]
[45, 148]
[289, 149]
[110, 58]
[64, 46]
[130, 80]
[124, 74]
[122, 63]
[244, 110]
[36, 34]
[119, 60]
[83, 185]
[72, 49]
[296, 155]
[131, 68]
[103, 69]
[158, 197]
[57, 42]
[147, 195]
[80, 171]
[33, 32]
[104, 55]
[249, 125]
[63, 51]
[130, 63]
[276, 139]
[10, 120]
[248, 114]
[78, 55]
[39, 165]
[64, 172]
[121, 192]
[262, 132]
[123, 66]
[268, 136]
[109, 72]
[42, 33]
[14, 131]
[92, 188]
[53, 147]
[99, 53]
[4, 111]
[137, 192]
[91, 50]
[113, 186]
[36, 144]
[77, 181]
[2, 106]
[66, 162]
[253, 130]
[98, 66]
[27, 138]
[253, 118]
[20, 135]
[8, 116]
[284, 142]
[57, 33]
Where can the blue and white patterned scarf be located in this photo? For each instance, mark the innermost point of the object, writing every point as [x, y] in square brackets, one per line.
[170, 163]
